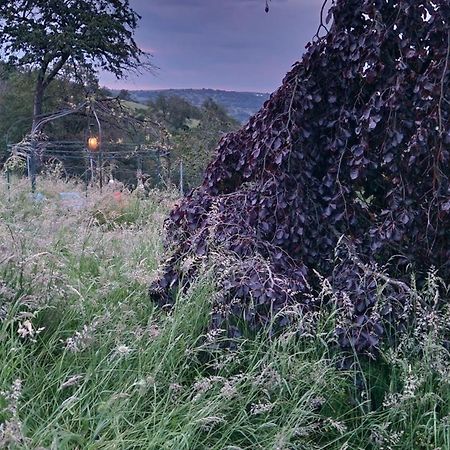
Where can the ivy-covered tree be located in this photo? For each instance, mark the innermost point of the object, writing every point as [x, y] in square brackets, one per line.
[47, 35]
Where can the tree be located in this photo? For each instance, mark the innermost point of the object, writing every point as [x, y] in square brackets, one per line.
[343, 173]
[195, 142]
[48, 35]
[195, 132]
[174, 111]
[124, 95]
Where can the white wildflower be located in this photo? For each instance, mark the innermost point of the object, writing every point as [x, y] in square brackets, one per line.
[205, 384]
[27, 330]
[143, 384]
[122, 351]
[339, 426]
[260, 408]
[228, 390]
[81, 340]
[175, 388]
[208, 423]
[153, 331]
[11, 428]
[11, 433]
[66, 404]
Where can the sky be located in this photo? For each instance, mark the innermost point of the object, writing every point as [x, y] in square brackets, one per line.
[220, 44]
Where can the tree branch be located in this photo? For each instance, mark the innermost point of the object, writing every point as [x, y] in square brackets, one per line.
[55, 70]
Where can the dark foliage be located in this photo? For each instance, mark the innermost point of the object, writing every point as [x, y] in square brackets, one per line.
[344, 172]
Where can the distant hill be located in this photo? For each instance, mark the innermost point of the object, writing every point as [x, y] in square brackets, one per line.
[240, 105]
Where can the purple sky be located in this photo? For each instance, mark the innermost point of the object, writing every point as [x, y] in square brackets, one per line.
[220, 44]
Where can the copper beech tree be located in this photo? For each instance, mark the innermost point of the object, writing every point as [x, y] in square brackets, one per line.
[344, 173]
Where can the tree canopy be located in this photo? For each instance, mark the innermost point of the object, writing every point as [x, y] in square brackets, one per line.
[48, 35]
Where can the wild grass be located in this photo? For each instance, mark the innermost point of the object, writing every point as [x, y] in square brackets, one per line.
[88, 362]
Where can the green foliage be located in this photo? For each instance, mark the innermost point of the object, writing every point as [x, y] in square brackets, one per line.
[174, 111]
[239, 105]
[195, 133]
[16, 107]
[124, 95]
[86, 35]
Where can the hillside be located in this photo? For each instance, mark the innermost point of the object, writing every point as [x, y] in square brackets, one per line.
[240, 105]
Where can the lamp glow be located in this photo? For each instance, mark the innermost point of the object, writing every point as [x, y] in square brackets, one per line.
[93, 144]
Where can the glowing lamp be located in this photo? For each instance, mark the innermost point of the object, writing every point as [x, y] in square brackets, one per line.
[93, 144]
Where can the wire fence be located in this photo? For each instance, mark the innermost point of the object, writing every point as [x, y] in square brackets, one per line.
[130, 164]
[114, 146]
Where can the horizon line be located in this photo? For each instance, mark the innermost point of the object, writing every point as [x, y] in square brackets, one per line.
[187, 89]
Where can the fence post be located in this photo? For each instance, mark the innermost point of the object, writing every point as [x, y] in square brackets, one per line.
[139, 172]
[181, 178]
[158, 169]
[100, 159]
[32, 166]
[111, 168]
[8, 182]
[91, 166]
[86, 175]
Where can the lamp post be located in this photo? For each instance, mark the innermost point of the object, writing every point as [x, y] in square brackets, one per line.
[93, 145]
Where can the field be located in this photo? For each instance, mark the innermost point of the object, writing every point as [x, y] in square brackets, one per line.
[89, 362]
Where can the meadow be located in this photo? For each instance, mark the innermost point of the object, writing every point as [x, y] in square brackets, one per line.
[89, 362]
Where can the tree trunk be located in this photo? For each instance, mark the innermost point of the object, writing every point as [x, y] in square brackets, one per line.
[42, 82]
[38, 100]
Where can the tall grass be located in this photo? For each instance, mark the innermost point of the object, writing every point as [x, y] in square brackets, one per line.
[88, 362]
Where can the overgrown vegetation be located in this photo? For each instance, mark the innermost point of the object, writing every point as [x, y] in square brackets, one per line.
[195, 132]
[307, 277]
[89, 363]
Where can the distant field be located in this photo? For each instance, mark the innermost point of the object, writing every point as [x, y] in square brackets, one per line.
[89, 362]
[134, 105]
